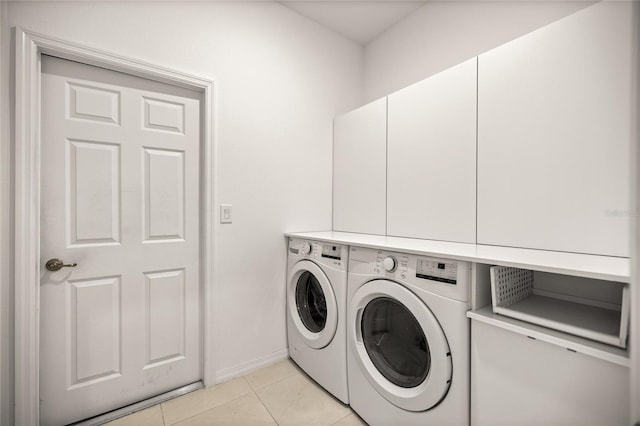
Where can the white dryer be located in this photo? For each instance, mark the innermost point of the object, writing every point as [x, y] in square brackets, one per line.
[316, 312]
[408, 338]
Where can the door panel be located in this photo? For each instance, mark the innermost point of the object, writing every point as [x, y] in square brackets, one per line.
[93, 189]
[94, 331]
[163, 115]
[165, 322]
[93, 104]
[164, 194]
[120, 197]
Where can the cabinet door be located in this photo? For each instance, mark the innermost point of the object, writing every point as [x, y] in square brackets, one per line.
[432, 157]
[359, 169]
[517, 380]
[556, 116]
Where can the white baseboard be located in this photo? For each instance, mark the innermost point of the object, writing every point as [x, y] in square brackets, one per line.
[250, 366]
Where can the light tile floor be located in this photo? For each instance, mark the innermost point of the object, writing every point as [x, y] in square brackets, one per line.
[280, 394]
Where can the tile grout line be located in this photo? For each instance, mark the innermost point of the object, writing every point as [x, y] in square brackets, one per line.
[252, 390]
[318, 387]
[265, 405]
[273, 383]
[164, 423]
[296, 372]
[342, 418]
[215, 407]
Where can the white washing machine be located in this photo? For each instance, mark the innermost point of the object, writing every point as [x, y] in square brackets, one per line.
[316, 312]
[408, 338]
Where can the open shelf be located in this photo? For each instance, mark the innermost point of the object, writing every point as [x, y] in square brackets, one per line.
[591, 322]
[516, 293]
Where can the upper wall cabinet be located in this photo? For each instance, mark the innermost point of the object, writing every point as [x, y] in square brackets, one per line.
[432, 157]
[556, 117]
[359, 169]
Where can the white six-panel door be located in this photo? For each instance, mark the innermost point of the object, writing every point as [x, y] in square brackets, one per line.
[120, 197]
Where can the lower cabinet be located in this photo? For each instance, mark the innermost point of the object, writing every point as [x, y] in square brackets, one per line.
[517, 379]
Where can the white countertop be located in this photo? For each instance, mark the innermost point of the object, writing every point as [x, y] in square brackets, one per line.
[583, 265]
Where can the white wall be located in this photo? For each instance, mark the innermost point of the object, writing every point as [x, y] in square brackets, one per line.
[444, 33]
[279, 81]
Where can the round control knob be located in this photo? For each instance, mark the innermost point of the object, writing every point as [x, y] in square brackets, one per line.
[389, 264]
[305, 248]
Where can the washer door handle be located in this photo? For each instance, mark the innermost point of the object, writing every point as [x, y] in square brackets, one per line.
[359, 325]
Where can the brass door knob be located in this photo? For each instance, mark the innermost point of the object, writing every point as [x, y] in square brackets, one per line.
[57, 264]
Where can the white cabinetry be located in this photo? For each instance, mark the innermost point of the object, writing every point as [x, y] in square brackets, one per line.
[431, 162]
[359, 169]
[556, 113]
[518, 379]
[541, 359]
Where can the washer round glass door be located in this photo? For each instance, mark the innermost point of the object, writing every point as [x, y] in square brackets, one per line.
[312, 304]
[400, 346]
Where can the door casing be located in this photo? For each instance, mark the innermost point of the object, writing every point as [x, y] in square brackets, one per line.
[30, 47]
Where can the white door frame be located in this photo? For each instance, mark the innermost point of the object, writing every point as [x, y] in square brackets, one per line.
[30, 47]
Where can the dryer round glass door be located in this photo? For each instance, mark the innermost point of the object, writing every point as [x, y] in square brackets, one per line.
[400, 346]
[312, 304]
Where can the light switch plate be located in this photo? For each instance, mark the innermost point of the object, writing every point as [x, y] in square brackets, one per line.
[225, 213]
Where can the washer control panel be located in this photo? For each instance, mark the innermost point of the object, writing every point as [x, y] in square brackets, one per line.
[444, 271]
[446, 277]
[386, 262]
[390, 264]
[331, 251]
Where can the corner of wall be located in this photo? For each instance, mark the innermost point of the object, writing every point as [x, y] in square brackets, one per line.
[635, 216]
[440, 35]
